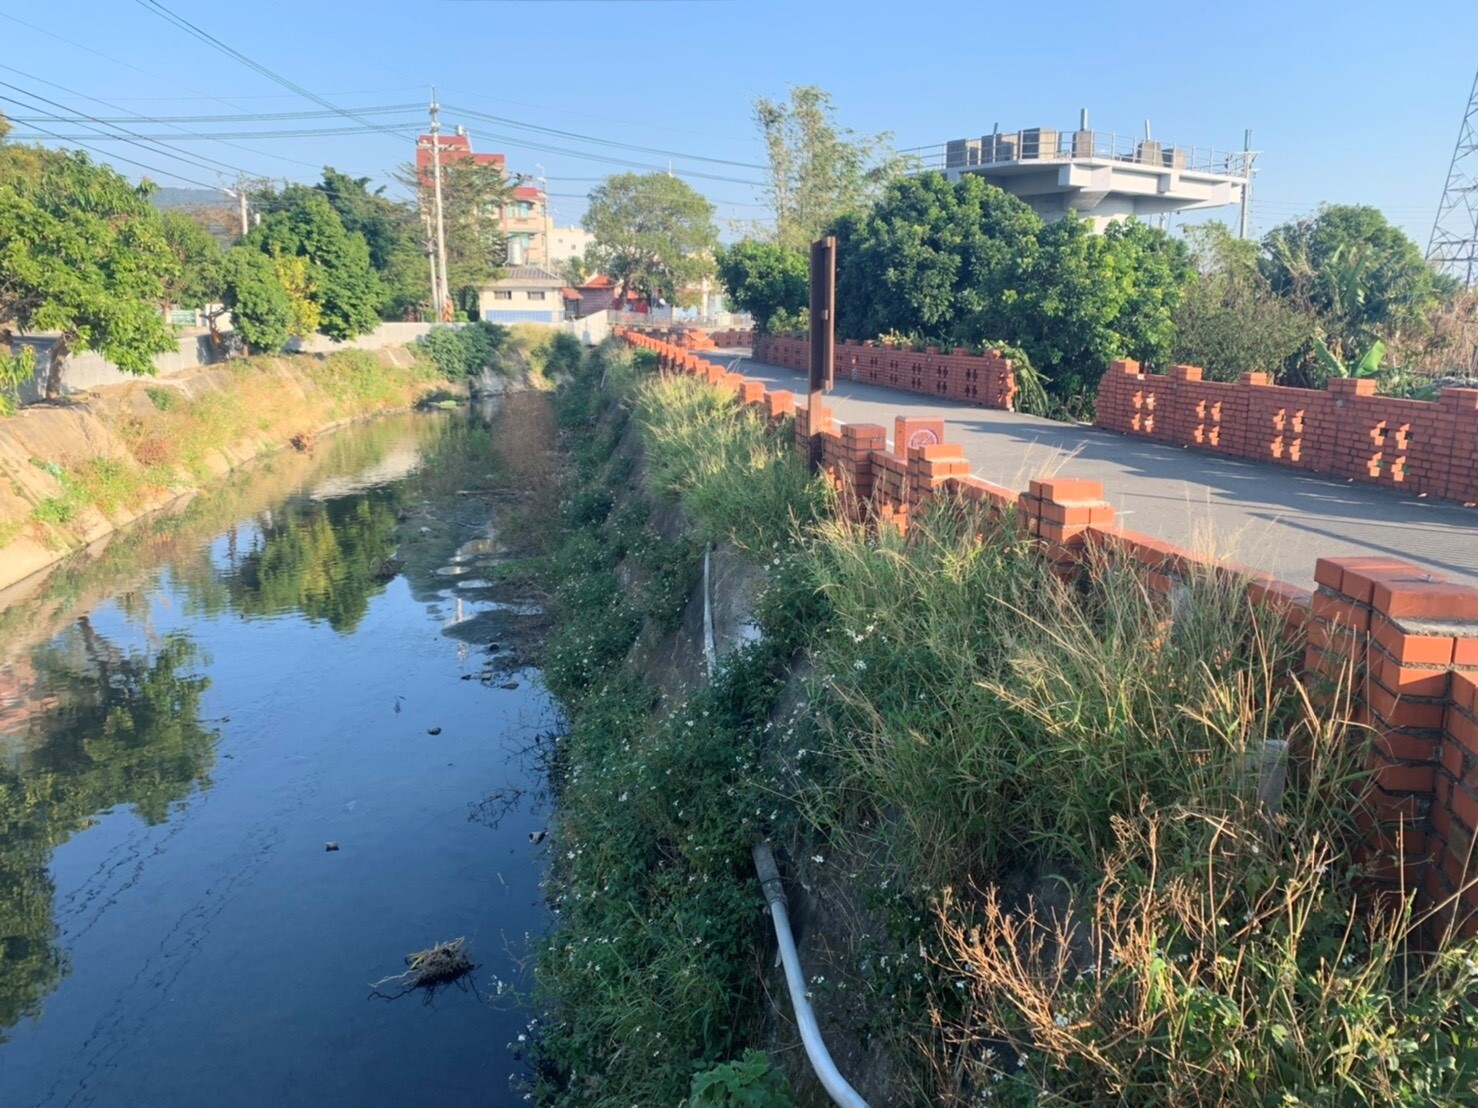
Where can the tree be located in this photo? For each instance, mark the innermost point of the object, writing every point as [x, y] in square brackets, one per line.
[341, 281]
[653, 234]
[935, 259]
[1229, 320]
[261, 312]
[394, 234]
[81, 254]
[817, 170]
[195, 280]
[473, 196]
[765, 278]
[1362, 277]
[1088, 298]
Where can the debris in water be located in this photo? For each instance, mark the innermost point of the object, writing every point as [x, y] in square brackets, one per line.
[433, 730]
[330, 846]
[443, 964]
[492, 648]
[537, 837]
[509, 685]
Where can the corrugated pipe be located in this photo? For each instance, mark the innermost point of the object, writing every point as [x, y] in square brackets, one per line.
[764, 863]
[831, 1078]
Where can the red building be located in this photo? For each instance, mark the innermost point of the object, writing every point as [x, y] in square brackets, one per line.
[525, 219]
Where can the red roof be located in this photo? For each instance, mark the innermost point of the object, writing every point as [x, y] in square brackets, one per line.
[526, 192]
[570, 294]
[599, 281]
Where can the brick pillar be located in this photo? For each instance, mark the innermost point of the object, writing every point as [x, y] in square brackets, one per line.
[1410, 640]
[930, 468]
[859, 440]
[1058, 511]
[1455, 804]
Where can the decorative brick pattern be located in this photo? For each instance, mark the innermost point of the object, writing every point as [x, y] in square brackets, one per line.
[1344, 430]
[985, 380]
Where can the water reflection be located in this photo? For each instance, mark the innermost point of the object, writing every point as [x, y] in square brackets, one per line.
[324, 559]
[111, 727]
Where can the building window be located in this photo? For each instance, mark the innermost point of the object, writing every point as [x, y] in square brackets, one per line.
[538, 295]
[502, 294]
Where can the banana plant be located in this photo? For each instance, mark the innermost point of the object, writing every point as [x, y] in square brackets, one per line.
[1334, 366]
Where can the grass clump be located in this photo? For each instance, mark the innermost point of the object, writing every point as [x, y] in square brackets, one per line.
[738, 479]
[1063, 797]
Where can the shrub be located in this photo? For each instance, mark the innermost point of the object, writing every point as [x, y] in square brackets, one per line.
[466, 351]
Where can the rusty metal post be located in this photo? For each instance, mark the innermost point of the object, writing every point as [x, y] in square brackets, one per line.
[823, 335]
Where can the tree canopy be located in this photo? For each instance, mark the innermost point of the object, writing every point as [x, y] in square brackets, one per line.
[339, 279]
[261, 312]
[765, 279]
[81, 254]
[653, 234]
[393, 232]
[195, 279]
[1229, 320]
[473, 196]
[1362, 278]
[818, 170]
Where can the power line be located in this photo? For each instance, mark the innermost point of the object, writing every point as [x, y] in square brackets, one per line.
[557, 133]
[403, 128]
[148, 73]
[141, 165]
[210, 40]
[248, 117]
[180, 155]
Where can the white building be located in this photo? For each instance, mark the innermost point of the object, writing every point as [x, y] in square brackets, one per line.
[528, 294]
[566, 243]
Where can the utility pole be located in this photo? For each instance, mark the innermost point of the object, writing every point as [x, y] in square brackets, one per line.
[431, 257]
[548, 225]
[241, 195]
[443, 292]
[1248, 155]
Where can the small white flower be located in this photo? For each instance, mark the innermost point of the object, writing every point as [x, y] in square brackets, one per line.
[818, 859]
[859, 665]
[1061, 1020]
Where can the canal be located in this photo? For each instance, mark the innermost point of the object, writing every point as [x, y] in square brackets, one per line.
[257, 751]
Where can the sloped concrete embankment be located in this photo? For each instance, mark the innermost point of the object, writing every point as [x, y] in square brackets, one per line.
[72, 474]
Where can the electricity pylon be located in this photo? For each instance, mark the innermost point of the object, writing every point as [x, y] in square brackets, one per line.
[1454, 244]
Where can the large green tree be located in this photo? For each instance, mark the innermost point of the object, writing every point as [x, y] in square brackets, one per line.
[261, 312]
[935, 259]
[1363, 278]
[818, 170]
[300, 223]
[1229, 320]
[82, 254]
[195, 279]
[394, 234]
[1088, 298]
[653, 234]
[765, 279]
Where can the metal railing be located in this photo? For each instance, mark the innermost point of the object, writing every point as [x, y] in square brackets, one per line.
[1045, 145]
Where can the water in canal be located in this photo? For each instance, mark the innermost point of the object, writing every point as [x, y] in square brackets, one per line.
[190, 717]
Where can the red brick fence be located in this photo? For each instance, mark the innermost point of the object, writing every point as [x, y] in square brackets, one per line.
[1344, 430]
[1409, 637]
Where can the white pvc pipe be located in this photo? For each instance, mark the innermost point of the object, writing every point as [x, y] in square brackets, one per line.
[831, 1078]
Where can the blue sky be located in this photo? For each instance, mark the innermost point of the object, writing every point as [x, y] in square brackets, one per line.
[1355, 102]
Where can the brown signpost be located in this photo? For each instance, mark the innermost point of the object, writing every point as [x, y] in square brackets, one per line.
[823, 335]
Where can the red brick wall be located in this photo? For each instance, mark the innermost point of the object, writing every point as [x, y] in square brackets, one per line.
[1405, 638]
[983, 379]
[1345, 430]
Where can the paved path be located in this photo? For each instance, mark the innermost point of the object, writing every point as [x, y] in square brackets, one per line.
[1263, 516]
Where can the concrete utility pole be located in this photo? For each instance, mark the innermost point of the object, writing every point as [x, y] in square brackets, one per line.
[431, 257]
[245, 218]
[1247, 157]
[443, 292]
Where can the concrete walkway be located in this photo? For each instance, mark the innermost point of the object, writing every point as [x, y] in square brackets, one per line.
[1263, 516]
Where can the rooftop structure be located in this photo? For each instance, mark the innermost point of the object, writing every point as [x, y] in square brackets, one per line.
[1103, 176]
[525, 218]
